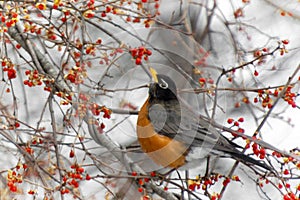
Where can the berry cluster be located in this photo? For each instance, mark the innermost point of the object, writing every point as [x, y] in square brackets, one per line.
[76, 75]
[265, 96]
[72, 178]
[205, 183]
[257, 150]
[290, 96]
[34, 78]
[32, 28]
[284, 13]
[284, 186]
[9, 68]
[66, 97]
[143, 181]
[203, 81]
[140, 53]
[37, 79]
[108, 9]
[9, 19]
[290, 196]
[261, 56]
[96, 110]
[13, 178]
[236, 123]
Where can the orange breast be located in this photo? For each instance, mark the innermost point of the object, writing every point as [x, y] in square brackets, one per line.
[161, 149]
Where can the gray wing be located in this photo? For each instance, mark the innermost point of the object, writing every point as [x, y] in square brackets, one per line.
[182, 125]
[174, 121]
[171, 120]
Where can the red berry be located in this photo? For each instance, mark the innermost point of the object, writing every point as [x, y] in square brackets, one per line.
[236, 178]
[13, 188]
[262, 156]
[31, 192]
[17, 124]
[285, 42]
[152, 174]
[102, 125]
[72, 154]
[241, 130]
[11, 73]
[202, 80]
[230, 120]
[87, 177]
[80, 170]
[138, 61]
[25, 166]
[27, 72]
[134, 173]
[18, 46]
[226, 181]
[108, 9]
[241, 119]
[149, 52]
[210, 81]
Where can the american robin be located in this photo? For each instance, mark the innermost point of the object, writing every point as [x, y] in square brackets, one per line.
[172, 135]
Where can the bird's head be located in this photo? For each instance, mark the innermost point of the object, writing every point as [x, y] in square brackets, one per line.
[163, 88]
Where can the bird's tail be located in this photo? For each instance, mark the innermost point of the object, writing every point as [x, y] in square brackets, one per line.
[247, 160]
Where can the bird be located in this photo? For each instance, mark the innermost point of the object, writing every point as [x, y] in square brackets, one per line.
[172, 136]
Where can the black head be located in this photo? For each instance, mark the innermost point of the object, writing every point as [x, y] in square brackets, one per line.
[163, 89]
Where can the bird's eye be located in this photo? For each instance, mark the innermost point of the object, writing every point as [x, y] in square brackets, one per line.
[163, 84]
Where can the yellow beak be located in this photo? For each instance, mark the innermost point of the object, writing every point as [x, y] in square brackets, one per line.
[153, 73]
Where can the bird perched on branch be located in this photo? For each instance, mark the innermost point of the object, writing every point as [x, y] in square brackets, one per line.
[172, 135]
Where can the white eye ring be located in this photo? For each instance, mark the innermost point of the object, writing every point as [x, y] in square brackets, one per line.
[163, 84]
